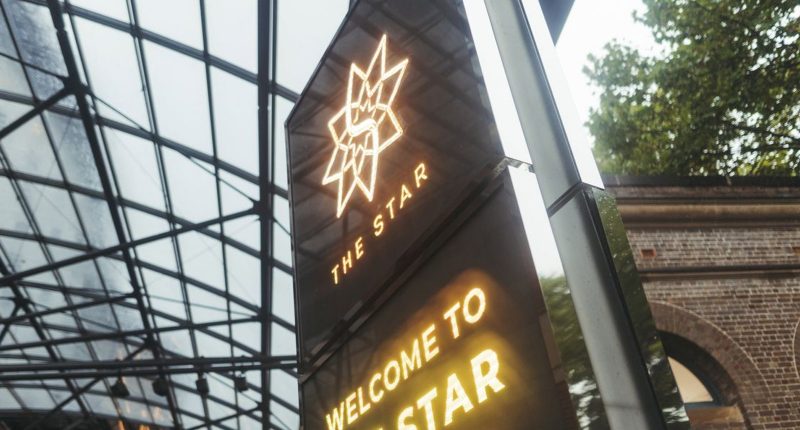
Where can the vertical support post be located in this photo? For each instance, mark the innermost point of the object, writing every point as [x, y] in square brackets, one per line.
[266, 34]
[633, 376]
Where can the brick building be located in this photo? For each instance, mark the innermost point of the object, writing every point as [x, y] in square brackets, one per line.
[720, 261]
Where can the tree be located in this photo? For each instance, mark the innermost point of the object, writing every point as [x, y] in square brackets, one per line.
[721, 97]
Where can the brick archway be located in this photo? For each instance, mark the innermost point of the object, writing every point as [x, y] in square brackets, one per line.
[749, 381]
[797, 348]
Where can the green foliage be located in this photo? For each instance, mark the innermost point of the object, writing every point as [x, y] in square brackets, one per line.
[722, 96]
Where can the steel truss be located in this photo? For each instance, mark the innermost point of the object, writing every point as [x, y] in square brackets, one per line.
[146, 354]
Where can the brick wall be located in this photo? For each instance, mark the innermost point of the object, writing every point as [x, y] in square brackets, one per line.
[721, 267]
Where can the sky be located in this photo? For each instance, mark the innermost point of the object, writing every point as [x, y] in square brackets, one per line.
[590, 26]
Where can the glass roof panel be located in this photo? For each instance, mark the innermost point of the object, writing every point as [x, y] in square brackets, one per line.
[116, 9]
[27, 149]
[178, 20]
[11, 215]
[284, 386]
[187, 180]
[101, 232]
[282, 109]
[283, 341]
[136, 168]
[6, 45]
[236, 120]
[178, 87]
[32, 26]
[7, 401]
[69, 139]
[300, 47]
[206, 306]
[202, 258]
[120, 86]
[244, 275]
[53, 211]
[12, 77]
[245, 230]
[162, 179]
[232, 31]
[282, 417]
[283, 295]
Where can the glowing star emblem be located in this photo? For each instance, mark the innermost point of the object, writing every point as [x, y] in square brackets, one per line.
[364, 127]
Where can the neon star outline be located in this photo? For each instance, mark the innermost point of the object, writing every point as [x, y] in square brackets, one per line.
[358, 129]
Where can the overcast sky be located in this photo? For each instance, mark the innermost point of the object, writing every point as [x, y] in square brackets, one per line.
[592, 24]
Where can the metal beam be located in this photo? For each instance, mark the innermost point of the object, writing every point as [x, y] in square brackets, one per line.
[266, 115]
[197, 362]
[74, 395]
[38, 109]
[120, 335]
[77, 306]
[125, 246]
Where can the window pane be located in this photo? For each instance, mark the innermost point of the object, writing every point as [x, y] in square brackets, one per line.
[73, 150]
[178, 86]
[305, 28]
[244, 275]
[110, 57]
[11, 215]
[53, 212]
[282, 295]
[136, 168]
[232, 31]
[27, 148]
[192, 187]
[12, 78]
[282, 109]
[236, 120]
[116, 9]
[176, 19]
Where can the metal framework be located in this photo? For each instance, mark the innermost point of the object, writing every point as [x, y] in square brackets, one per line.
[134, 243]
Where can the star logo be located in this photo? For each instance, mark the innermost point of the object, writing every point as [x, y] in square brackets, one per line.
[364, 127]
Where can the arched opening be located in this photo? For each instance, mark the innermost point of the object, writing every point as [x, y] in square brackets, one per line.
[710, 395]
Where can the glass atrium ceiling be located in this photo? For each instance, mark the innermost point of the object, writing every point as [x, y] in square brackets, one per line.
[144, 222]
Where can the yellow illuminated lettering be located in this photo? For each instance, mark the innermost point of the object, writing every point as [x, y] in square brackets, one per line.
[451, 315]
[391, 385]
[377, 223]
[390, 206]
[419, 174]
[456, 399]
[412, 362]
[347, 261]
[362, 407]
[337, 421]
[402, 419]
[429, 343]
[489, 378]
[335, 272]
[375, 397]
[405, 194]
[474, 294]
[359, 248]
[425, 402]
[350, 402]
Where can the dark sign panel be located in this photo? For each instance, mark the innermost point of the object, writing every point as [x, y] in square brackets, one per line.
[460, 345]
[419, 305]
[385, 144]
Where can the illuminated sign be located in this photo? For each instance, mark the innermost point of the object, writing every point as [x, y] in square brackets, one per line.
[364, 127]
[460, 346]
[485, 374]
[418, 303]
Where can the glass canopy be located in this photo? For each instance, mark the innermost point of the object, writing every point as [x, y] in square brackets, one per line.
[144, 221]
